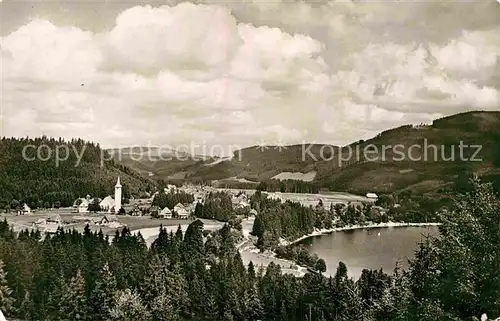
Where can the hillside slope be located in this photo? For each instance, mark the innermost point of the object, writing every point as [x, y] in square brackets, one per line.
[37, 179]
[388, 169]
[432, 163]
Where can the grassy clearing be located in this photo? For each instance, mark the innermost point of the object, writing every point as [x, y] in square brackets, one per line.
[21, 222]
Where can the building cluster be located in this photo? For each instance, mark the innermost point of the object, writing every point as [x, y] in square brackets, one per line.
[137, 207]
[180, 211]
[49, 224]
[108, 204]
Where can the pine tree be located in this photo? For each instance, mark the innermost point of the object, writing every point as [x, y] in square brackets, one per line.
[320, 266]
[393, 305]
[283, 316]
[101, 298]
[193, 241]
[179, 234]
[251, 273]
[162, 308]
[55, 299]
[456, 274]
[164, 291]
[210, 309]
[27, 307]
[6, 300]
[73, 303]
[258, 228]
[128, 306]
[253, 306]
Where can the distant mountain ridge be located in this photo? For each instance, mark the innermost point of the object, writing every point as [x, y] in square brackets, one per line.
[360, 174]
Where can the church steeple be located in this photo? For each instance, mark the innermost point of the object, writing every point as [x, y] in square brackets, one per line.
[118, 195]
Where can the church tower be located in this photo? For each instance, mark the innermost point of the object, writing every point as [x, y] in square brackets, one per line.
[118, 196]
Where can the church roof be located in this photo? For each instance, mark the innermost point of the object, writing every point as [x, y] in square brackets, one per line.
[166, 210]
[111, 218]
[108, 201]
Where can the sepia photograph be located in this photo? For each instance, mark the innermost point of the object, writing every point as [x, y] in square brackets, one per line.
[250, 160]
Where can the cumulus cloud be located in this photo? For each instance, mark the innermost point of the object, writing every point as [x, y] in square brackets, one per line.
[181, 38]
[330, 72]
[41, 51]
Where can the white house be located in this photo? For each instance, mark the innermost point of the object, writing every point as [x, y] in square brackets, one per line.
[243, 197]
[276, 196]
[181, 211]
[40, 221]
[94, 220]
[199, 197]
[25, 210]
[371, 195]
[56, 219]
[165, 213]
[107, 203]
[178, 207]
[170, 188]
[83, 207]
[111, 221]
[242, 204]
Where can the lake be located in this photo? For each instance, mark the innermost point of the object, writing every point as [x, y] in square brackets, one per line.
[373, 248]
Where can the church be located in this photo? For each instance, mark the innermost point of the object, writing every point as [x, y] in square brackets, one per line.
[111, 205]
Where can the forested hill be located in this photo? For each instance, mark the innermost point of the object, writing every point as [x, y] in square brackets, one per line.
[421, 159]
[44, 170]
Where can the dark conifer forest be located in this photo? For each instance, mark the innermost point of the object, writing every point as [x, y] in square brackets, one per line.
[31, 172]
[186, 276]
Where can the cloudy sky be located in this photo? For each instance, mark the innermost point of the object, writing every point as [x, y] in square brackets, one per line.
[241, 72]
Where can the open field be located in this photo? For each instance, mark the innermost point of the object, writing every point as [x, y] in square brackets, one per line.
[313, 199]
[305, 177]
[21, 222]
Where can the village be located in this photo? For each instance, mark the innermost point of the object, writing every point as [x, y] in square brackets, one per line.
[109, 214]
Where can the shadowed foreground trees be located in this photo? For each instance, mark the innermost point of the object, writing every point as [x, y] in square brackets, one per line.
[456, 275]
[191, 277]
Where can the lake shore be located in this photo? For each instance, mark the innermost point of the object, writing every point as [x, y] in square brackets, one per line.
[249, 251]
[319, 232]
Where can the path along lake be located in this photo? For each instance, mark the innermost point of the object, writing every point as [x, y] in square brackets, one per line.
[372, 248]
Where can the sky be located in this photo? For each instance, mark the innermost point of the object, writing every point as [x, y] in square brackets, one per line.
[241, 73]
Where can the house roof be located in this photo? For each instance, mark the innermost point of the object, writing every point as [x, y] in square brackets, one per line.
[51, 228]
[78, 201]
[243, 204]
[130, 208]
[54, 218]
[108, 201]
[111, 218]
